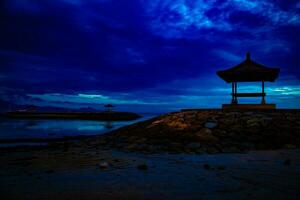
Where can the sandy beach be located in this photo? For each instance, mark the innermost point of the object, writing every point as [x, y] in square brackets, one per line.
[138, 162]
[94, 173]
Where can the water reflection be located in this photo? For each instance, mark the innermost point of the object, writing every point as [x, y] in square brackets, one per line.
[109, 125]
[13, 129]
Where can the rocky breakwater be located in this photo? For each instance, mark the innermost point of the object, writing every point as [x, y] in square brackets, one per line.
[208, 131]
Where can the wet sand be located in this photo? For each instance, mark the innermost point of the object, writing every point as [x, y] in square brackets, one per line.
[75, 173]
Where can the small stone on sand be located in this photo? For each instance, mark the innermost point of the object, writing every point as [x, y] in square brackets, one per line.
[103, 165]
[142, 167]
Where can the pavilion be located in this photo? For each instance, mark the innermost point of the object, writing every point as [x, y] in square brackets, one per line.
[248, 71]
[109, 107]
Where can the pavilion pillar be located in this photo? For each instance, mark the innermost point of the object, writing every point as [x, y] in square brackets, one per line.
[263, 101]
[232, 93]
[235, 92]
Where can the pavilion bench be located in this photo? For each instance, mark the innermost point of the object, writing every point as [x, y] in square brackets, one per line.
[249, 94]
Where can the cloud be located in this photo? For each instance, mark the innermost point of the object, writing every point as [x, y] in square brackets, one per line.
[267, 9]
[228, 56]
[172, 19]
[179, 18]
[136, 57]
[88, 99]
[93, 96]
[27, 6]
[142, 51]
[286, 91]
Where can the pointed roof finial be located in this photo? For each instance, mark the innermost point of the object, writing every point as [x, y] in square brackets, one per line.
[248, 56]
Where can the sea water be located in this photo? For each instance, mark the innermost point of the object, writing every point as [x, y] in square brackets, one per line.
[21, 131]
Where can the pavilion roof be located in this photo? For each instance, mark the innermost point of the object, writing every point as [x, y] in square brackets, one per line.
[109, 106]
[249, 71]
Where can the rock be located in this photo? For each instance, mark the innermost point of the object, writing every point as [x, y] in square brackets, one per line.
[174, 147]
[255, 122]
[290, 146]
[205, 131]
[205, 136]
[211, 150]
[193, 145]
[142, 167]
[104, 165]
[206, 166]
[199, 151]
[49, 171]
[131, 147]
[153, 148]
[287, 161]
[258, 115]
[231, 149]
[237, 128]
[101, 142]
[141, 140]
[221, 133]
[210, 125]
[248, 113]
[157, 122]
[221, 167]
[178, 124]
[232, 114]
[116, 160]
[267, 119]
[247, 146]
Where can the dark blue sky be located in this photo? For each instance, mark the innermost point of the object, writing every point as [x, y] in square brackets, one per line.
[144, 54]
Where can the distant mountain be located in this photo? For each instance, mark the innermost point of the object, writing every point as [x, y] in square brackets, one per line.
[6, 106]
[60, 109]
